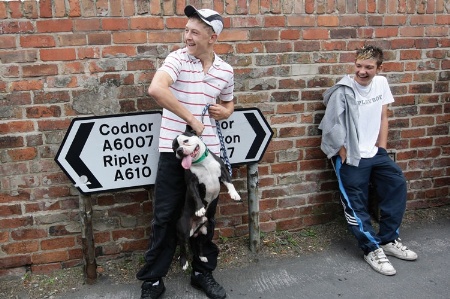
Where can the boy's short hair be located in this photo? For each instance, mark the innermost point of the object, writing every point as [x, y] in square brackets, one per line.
[370, 52]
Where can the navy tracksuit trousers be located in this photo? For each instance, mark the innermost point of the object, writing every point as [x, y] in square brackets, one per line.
[390, 184]
[170, 193]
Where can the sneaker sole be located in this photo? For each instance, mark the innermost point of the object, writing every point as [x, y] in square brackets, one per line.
[401, 256]
[384, 273]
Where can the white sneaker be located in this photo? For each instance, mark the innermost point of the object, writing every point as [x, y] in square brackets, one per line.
[379, 262]
[398, 250]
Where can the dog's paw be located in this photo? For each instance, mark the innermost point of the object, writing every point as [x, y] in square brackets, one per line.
[203, 230]
[203, 259]
[201, 212]
[185, 266]
[234, 195]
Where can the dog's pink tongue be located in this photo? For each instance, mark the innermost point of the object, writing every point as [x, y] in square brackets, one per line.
[186, 162]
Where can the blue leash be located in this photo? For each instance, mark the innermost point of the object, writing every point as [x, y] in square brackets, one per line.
[223, 150]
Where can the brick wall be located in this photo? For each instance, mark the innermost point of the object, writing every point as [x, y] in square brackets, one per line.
[64, 59]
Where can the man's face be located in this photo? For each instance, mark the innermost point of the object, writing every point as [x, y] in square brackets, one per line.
[198, 37]
[365, 70]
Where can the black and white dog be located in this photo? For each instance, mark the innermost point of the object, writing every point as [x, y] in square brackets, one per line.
[204, 171]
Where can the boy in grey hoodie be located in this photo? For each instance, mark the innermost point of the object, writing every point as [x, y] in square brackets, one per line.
[354, 136]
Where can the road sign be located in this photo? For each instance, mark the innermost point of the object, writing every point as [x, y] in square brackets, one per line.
[246, 135]
[121, 151]
[111, 152]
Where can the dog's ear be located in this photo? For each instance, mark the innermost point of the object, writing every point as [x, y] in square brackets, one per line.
[190, 130]
[175, 144]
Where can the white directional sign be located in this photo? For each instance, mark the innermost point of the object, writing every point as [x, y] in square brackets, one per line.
[121, 151]
[111, 152]
[246, 135]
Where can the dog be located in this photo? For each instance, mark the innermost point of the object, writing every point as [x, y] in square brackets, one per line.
[204, 172]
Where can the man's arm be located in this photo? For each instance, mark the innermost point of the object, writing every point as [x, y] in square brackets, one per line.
[383, 135]
[159, 90]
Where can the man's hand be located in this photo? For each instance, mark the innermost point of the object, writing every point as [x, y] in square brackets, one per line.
[197, 126]
[219, 112]
[343, 154]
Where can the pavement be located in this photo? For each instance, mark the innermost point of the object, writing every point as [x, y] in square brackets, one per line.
[337, 272]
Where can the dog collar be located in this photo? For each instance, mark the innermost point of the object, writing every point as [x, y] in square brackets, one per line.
[202, 157]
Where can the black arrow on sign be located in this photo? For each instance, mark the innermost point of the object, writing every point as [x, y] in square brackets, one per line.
[74, 152]
[260, 134]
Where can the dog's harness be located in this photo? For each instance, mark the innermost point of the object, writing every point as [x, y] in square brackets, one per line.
[223, 150]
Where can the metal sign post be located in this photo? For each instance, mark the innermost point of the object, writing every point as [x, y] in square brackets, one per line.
[247, 134]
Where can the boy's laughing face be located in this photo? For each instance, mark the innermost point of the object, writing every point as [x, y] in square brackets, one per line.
[365, 70]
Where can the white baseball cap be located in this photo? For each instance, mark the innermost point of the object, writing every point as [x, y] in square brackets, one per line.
[209, 16]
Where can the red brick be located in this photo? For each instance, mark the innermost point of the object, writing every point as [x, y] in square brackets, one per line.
[2, 10]
[42, 111]
[86, 25]
[99, 39]
[386, 32]
[51, 97]
[7, 42]
[45, 8]
[75, 254]
[421, 20]
[4, 237]
[72, 68]
[60, 9]
[413, 133]
[10, 27]
[57, 54]
[315, 34]
[39, 70]
[37, 41]
[67, 40]
[23, 247]
[10, 142]
[14, 260]
[290, 34]
[17, 127]
[274, 21]
[131, 246]
[437, 31]
[27, 85]
[138, 37]
[114, 24]
[118, 50]
[412, 31]
[443, 19]
[74, 8]
[10, 210]
[49, 257]
[49, 125]
[23, 154]
[54, 25]
[57, 243]
[28, 234]
[102, 237]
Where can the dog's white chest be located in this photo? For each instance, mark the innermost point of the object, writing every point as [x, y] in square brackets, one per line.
[208, 173]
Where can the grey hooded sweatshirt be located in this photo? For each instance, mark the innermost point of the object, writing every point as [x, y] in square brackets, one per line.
[340, 123]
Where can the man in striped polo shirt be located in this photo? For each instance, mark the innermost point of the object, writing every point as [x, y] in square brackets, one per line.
[189, 79]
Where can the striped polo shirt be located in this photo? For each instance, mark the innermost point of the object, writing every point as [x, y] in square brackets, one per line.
[194, 89]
